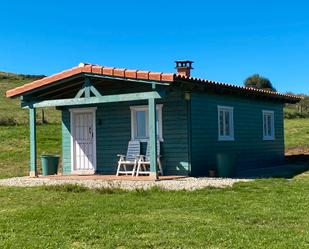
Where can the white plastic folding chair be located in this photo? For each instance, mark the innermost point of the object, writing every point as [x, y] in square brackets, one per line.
[127, 163]
[143, 165]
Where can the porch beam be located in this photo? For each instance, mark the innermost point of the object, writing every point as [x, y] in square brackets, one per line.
[87, 89]
[152, 138]
[80, 93]
[87, 86]
[32, 125]
[94, 100]
[95, 91]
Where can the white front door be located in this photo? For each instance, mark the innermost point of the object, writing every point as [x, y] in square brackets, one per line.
[83, 141]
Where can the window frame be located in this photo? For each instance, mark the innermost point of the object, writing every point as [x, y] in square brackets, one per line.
[229, 109]
[145, 108]
[272, 115]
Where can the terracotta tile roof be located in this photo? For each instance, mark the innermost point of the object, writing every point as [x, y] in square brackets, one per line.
[93, 69]
[142, 75]
[236, 87]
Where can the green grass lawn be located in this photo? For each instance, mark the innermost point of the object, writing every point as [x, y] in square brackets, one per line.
[296, 133]
[261, 214]
[14, 144]
[270, 213]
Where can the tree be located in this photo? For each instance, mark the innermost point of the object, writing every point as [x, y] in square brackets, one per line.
[259, 82]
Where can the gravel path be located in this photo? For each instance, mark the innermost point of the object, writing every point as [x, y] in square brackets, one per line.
[189, 183]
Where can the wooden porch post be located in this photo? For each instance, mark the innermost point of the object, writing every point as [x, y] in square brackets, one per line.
[32, 125]
[152, 138]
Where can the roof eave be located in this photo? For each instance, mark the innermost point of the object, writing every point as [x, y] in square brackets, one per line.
[93, 71]
[285, 98]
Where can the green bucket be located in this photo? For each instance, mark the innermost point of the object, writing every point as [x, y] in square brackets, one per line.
[49, 164]
[226, 164]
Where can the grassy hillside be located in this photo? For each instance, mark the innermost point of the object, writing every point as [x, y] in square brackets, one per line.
[14, 144]
[14, 129]
[10, 111]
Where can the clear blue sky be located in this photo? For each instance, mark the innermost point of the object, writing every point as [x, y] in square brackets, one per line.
[227, 40]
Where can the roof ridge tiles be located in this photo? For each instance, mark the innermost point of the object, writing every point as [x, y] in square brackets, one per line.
[236, 86]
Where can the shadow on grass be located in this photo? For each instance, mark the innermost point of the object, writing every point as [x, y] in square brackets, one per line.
[295, 165]
[112, 189]
[298, 159]
[70, 188]
[78, 188]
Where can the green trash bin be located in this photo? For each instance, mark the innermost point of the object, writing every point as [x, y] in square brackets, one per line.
[49, 164]
[226, 164]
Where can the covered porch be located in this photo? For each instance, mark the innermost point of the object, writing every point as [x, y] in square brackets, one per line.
[83, 106]
[94, 94]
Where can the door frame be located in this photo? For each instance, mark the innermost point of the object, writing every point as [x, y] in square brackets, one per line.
[72, 134]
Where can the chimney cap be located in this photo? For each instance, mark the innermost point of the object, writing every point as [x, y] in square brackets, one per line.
[184, 64]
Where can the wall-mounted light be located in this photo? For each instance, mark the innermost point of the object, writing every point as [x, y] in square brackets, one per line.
[187, 95]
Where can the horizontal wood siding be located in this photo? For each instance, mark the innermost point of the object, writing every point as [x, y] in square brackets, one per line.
[175, 134]
[252, 150]
[113, 129]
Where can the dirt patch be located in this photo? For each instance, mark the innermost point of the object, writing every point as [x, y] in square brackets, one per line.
[300, 150]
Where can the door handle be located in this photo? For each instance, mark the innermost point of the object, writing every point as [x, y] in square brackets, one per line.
[91, 132]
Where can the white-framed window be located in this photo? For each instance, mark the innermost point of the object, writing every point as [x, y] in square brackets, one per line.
[139, 122]
[225, 123]
[268, 125]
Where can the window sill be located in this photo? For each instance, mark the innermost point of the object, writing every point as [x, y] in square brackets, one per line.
[268, 138]
[226, 139]
[145, 140]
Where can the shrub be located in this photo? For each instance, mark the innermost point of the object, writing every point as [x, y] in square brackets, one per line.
[6, 121]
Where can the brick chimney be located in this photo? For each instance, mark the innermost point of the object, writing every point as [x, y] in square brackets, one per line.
[184, 68]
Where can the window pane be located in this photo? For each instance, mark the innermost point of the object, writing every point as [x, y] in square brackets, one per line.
[227, 123]
[265, 125]
[269, 131]
[221, 123]
[141, 124]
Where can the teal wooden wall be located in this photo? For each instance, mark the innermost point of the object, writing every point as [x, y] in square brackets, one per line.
[66, 142]
[253, 151]
[113, 128]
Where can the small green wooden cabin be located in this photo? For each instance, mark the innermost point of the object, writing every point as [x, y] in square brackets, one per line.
[194, 119]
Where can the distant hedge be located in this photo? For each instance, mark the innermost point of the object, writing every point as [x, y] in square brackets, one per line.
[11, 76]
[294, 115]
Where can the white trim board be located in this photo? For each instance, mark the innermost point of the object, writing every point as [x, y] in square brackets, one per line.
[272, 115]
[72, 136]
[133, 109]
[229, 109]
